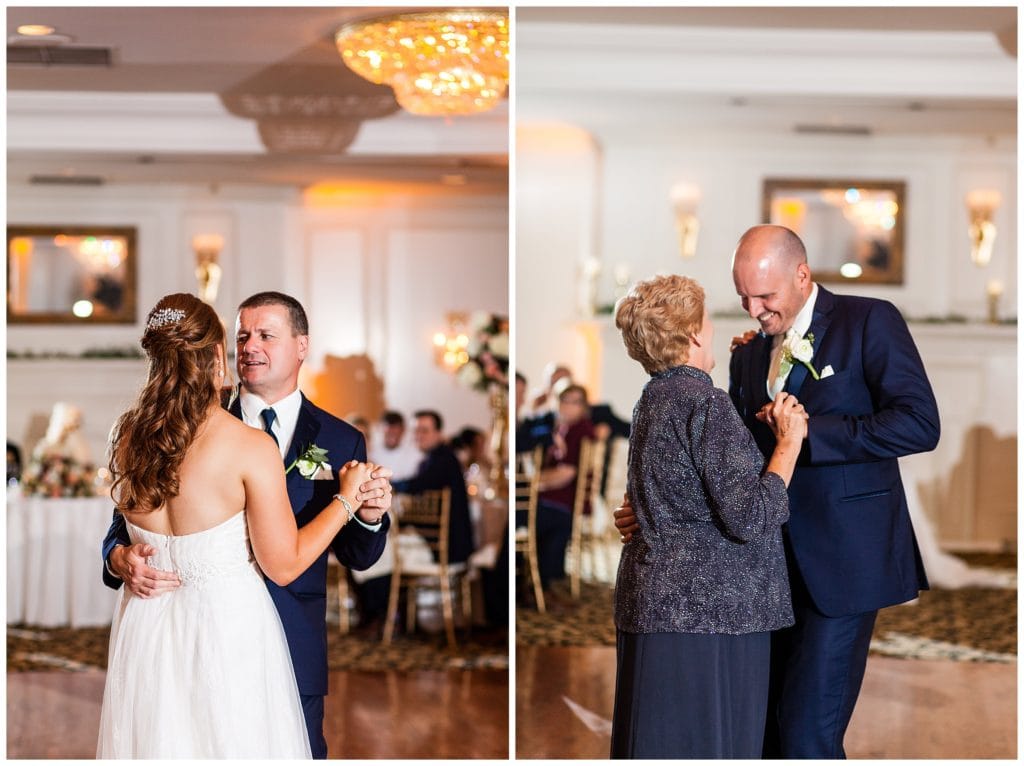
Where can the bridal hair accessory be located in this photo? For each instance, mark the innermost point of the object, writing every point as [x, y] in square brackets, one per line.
[164, 316]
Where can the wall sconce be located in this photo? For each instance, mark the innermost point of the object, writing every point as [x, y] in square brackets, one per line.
[981, 206]
[207, 248]
[685, 198]
[450, 346]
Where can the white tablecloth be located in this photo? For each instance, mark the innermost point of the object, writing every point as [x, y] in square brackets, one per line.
[53, 561]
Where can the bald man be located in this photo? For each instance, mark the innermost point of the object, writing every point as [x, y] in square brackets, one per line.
[849, 543]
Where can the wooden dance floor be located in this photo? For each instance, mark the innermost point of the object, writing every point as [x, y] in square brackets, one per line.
[907, 708]
[419, 714]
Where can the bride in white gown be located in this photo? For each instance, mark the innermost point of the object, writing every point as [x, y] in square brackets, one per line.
[204, 671]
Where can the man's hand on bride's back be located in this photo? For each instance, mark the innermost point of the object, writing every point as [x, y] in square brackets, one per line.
[129, 563]
[625, 520]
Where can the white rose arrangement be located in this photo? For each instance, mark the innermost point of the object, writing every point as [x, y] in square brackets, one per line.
[488, 352]
[797, 349]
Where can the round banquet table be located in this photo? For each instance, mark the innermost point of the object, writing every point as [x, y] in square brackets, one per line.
[53, 561]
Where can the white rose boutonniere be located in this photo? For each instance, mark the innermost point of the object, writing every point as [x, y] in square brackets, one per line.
[797, 349]
[312, 460]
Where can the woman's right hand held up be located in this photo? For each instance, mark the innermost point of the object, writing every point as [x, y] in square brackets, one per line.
[788, 419]
[350, 477]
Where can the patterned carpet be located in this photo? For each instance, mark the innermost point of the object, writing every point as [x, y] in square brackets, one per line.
[971, 624]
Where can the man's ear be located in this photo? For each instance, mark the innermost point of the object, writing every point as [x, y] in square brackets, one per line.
[303, 347]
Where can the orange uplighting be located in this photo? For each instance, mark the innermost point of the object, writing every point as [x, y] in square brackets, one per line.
[21, 246]
[334, 193]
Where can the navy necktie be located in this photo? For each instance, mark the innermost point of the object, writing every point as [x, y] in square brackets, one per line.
[269, 416]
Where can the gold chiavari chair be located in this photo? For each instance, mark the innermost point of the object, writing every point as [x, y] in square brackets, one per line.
[427, 513]
[527, 484]
[585, 537]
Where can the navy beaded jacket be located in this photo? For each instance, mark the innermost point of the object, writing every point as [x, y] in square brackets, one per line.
[709, 556]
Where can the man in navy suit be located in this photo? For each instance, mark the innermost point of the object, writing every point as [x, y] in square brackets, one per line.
[271, 341]
[849, 542]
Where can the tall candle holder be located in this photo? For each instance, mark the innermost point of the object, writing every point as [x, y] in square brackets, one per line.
[994, 291]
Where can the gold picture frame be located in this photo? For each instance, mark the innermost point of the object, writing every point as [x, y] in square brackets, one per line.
[71, 275]
[852, 228]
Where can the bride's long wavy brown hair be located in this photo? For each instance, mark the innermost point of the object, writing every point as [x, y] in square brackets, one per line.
[149, 441]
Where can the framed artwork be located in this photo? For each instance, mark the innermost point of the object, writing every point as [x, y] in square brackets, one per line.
[71, 275]
[853, 229]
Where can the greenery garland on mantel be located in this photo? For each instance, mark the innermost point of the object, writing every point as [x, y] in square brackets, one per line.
[111, 352]
[956, 319]
[89, 353]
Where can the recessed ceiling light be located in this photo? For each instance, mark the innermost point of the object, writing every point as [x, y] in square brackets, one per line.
[35, 30]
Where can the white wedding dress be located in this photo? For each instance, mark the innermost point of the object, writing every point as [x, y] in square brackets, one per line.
[202, 671]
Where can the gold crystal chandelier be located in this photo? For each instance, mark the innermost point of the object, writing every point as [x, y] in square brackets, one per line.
[439, 63]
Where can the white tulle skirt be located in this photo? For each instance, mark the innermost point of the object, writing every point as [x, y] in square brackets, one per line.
[203, 671]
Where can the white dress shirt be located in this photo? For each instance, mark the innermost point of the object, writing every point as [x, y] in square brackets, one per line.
[404, 460]
[283, 427]
[287, 416]
[801, 325]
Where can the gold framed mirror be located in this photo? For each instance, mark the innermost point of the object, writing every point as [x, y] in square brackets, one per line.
[852, 229]
[71, 275]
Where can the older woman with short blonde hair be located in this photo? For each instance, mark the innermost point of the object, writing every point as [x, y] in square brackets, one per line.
[703, 582]
[657, 320]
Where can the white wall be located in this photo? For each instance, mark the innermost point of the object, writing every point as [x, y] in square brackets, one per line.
[376, 275]
[638, 167]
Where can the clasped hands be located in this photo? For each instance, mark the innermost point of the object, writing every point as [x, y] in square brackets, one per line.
[128, 562]
[785, 416]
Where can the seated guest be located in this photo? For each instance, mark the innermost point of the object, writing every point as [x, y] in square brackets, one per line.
[544, 400]
[13, 463]
[531, 431]
[439, 469]
[358, 421]
[558, 482]
[470, 446]
[393, 449]
[607, 425]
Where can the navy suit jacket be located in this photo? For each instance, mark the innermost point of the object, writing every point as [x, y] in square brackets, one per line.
[303, 604]
[849, 533]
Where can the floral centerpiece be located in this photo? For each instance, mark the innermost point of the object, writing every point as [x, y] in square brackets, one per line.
[51, 474]
[488, 352]
[487, 371]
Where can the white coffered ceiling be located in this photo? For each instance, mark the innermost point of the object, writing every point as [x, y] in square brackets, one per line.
[891, 70]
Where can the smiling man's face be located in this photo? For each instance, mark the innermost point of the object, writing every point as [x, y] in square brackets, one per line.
[268, 354]
[772, 287]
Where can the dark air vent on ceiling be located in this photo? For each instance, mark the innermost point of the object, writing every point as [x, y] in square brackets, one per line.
[67, 180]
[834, 130]
[54, 55]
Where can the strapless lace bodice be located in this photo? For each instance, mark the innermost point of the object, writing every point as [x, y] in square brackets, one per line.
[202, 557]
